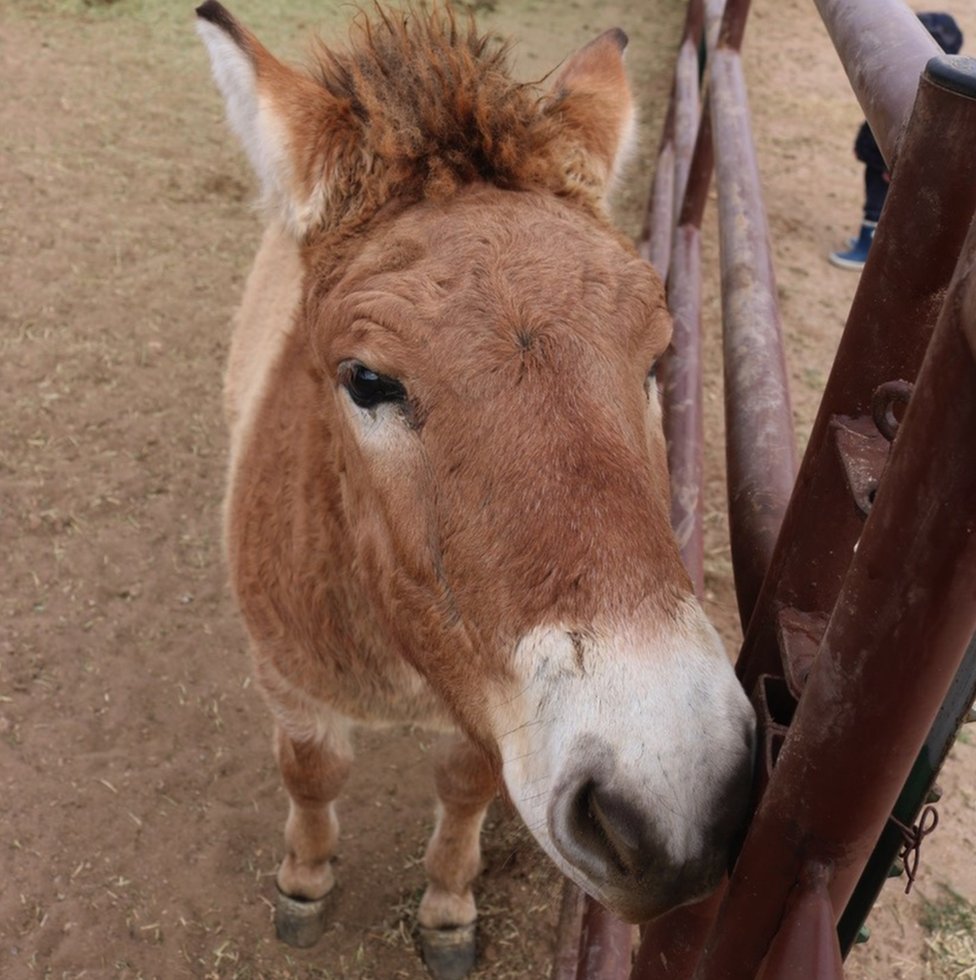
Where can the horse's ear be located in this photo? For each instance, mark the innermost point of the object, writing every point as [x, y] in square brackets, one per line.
[592, 95]
[290, 127]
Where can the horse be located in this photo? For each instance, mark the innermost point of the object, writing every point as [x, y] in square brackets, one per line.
[447, 499]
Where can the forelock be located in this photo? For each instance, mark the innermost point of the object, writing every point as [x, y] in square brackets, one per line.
[437, 108]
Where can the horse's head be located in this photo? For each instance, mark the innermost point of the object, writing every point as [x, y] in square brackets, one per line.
[485, 347]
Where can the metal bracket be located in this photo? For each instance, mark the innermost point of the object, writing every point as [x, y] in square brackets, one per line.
[799, 635]
[863, 452]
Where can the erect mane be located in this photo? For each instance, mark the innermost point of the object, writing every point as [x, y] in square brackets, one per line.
[437, 108]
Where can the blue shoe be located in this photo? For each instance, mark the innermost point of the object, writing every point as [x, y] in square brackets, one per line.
[856, 255]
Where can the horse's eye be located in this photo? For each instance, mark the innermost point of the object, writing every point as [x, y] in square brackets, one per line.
[367, 388]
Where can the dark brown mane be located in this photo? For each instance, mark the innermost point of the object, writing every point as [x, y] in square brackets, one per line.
[437, 108]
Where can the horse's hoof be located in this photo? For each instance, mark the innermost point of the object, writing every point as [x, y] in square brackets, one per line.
[448, 953]
[299, 921]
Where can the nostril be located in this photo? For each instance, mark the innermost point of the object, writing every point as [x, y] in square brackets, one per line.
[618, 847]
[606, 826]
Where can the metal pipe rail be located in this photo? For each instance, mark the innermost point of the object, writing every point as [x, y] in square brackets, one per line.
[887, 334]
[884, 50]
[917, 795]
[760, 443]
[867, 707]
[761, 452]
[686, 167]
[676, 147]
[671, 945]
[901, 304]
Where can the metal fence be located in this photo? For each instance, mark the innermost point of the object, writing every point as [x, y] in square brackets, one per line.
[856, 572]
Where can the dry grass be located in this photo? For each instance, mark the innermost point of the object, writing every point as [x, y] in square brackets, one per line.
[950, 922]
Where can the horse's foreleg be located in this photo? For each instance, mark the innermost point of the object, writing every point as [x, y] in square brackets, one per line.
[314, 771]
[465, 787]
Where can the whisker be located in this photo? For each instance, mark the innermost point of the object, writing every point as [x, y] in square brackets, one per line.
[525, 724]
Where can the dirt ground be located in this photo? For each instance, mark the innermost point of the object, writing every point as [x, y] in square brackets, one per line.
[140, 810]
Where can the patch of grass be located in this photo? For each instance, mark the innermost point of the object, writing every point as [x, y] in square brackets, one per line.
[950, 921]
[814, 378]
[951, 912]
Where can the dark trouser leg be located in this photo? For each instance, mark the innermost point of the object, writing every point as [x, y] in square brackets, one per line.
[875, 192]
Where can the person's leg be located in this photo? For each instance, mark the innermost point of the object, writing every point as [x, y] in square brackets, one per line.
[875, 191]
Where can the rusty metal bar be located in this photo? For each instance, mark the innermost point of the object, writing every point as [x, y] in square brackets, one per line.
[606, 944]
[796, 634]
[728, 19]
[884, 50]
[654, 244]
[806, 947]
[672, 944]
[591, 943]
[877, 353]
[683, 411]
[869, 700]
[760, 444]
[761, 451]
[677, 145]
[566, 961]
[917, 792]
[681, 368]
[888, 329]
[687, 100]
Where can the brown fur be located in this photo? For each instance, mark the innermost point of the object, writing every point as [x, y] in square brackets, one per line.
[459, 337]
[442, 225]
